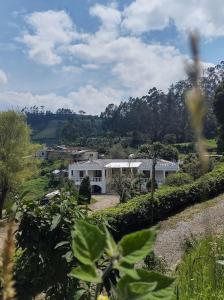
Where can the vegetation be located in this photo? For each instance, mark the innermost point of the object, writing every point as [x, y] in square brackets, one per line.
[111, 266]
[200, 274]
[179, 179]
[44, 258]
[142, 212]
[15, 153]
[154, 152]
[219, 110]
[85, 191]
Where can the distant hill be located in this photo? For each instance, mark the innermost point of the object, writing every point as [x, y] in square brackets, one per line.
[53, 128]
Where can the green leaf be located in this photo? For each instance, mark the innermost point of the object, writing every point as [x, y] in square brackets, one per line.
[79, 294]
[111, 246]
[68, 256]
[127, 269]
[61, 244]
[88, 243]
[56, 220]
[149, 286]
[142, 287]
[87, 273]
[137, 245]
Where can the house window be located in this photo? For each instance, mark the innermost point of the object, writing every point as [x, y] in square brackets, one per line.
[98, 173]
[81, 174]
[146, 173]
[72, 172]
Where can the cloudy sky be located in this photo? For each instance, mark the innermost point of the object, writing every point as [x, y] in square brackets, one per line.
[85, 54]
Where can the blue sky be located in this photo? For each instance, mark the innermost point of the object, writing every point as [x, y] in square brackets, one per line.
[87, 54]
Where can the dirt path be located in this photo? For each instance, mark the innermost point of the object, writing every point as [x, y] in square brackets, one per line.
[195, 222]
[104, 201]
[3, 232]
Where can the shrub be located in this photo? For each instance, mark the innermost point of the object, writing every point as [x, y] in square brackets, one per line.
[44, 243]
[178, 179]
[84, 191]
[142, 212]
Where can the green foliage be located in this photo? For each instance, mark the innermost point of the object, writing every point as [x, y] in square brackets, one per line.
[44, 240]
[35, 189]
[117, 151]
[16, 161]
[99, 257]
[192, 165]
[199, 275]
[124, 186]
[185, 148]
[219, 112]
[142, 212]
[178, 179]
[85, 191]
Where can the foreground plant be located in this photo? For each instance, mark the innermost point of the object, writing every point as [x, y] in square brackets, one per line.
[107, 267]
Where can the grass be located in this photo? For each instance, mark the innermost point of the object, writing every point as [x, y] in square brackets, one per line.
[35, 188]
[211, 143]
[199, 276]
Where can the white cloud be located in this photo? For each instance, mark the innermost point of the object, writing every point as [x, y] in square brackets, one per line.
[94, 100]
[126, 62]
[87, 98]
[3, 77]
[51, 29]
[203, 15]
[109, 15]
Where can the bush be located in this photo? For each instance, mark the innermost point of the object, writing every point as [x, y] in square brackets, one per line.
[44, 242]
[178, 179]
[142, 212]
[85, 191]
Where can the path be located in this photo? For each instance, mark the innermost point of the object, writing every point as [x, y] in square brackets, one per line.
[104, 201]
[3, 232]
[194, 222]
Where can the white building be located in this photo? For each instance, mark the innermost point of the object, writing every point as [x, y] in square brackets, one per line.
[102, 171]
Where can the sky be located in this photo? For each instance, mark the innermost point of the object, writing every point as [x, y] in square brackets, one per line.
[86, 54]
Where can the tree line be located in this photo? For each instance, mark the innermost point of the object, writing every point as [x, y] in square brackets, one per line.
[163, 116]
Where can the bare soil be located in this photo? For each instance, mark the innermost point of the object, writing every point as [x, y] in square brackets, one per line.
[193, 223]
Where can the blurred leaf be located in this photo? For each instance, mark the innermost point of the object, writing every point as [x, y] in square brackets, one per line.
[86, 273]
[88, 243]
[137, 245]
[56, 220]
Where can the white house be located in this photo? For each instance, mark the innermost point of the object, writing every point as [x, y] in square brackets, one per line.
[102, 171]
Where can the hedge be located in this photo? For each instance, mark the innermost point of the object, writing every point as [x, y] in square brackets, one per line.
[141, 212]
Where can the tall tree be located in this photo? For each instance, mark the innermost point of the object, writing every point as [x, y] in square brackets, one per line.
[153, 152]
[15, 152]
[219, 112]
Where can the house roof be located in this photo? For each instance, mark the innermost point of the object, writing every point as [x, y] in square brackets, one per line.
[120, 165]
[99, 164]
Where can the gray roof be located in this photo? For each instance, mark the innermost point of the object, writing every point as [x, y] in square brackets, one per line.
[101, 163]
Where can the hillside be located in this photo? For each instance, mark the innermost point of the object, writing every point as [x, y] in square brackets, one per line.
[53, 128]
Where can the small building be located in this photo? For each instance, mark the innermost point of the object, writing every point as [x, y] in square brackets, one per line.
[69, 153]
[102, 171]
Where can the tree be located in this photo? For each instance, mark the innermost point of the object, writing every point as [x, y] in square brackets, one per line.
[84, 191]
[170, 153]
[219, 112]
[123, 186]
[117, 151]
[153, 152]
[15, 153]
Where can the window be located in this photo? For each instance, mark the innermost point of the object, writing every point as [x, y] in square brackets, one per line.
[98, 173]
[72, 172]
[81, 174]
